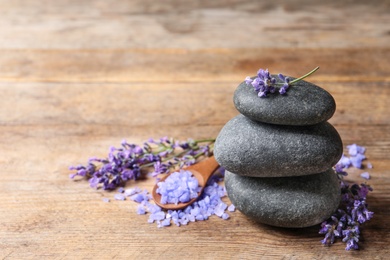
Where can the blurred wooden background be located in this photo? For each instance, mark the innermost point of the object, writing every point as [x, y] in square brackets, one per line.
[77, 77]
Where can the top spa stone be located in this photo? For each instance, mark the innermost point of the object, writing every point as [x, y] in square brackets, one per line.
[303, 104]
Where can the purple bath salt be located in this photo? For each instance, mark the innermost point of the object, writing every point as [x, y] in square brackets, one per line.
[365, 175]
[208, 204]
[141, 210]
[119, 196]
[140, 197]
[132, 191]
[231, 208]
[178, 187]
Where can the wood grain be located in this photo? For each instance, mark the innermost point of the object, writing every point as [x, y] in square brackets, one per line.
[77, 77]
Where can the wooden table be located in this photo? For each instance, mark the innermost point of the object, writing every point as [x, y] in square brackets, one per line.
[78, 76]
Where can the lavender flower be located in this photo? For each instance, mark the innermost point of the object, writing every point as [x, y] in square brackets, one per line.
[353, 212]
[351, 237]
[127, 162]
[286, 84]
[264, 83]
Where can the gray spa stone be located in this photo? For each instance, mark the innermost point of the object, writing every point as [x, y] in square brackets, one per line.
[292, 202]
[303, 104]
[257, 149]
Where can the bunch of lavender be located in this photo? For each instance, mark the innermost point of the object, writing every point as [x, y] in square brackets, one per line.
[264, 83]
[345, 222]
[127, 162]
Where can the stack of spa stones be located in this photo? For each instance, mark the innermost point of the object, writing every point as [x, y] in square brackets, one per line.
[279, 153]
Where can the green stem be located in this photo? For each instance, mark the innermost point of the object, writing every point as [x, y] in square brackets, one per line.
[304, 76]
[205, 140]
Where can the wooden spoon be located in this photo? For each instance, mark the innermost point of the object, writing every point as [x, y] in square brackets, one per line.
[201, 171]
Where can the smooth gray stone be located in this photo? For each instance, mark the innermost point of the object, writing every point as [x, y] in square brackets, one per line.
[257, 149]
[303, 104]
[292, 202]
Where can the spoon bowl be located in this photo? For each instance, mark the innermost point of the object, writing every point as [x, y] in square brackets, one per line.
[202, 171]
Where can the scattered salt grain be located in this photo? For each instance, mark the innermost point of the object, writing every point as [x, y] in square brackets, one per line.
[132, 191]
[106, 200]
[121, 190]
[357, 160]
[231, 208]
[369, 165]
[356, 156]
[140, 197]
[365, 175]
[355, 149]
[164, 223]
[119, 196]
[220, 209]
[225, 216]
[141, 210]
[345, 162]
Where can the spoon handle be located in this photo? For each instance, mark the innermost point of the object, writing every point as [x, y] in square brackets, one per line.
[206, 167]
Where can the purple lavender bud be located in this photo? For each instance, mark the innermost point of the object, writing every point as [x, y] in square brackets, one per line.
[94, 181]
[127, 174]
[138, 150]
[363, 190]
[248, 80]
[282, 90]
[351, 237]
[261, 73]
[71, 176]
[272, 80]
[255, 83]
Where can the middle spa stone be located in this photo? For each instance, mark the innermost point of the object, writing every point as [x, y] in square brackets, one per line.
[251, 148]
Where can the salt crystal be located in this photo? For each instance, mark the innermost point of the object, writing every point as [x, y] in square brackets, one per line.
[365, 175]
[132, 191]
[178, 187]
[231, 208]
[119, 196]
[141, 210]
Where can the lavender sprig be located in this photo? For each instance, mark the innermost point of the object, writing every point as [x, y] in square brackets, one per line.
[352, 213]
[127, 162]
[264, 83]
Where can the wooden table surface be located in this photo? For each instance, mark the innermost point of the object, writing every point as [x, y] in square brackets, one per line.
[77, 77]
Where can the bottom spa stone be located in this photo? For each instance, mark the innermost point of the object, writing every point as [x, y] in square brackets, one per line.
[292, 202]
